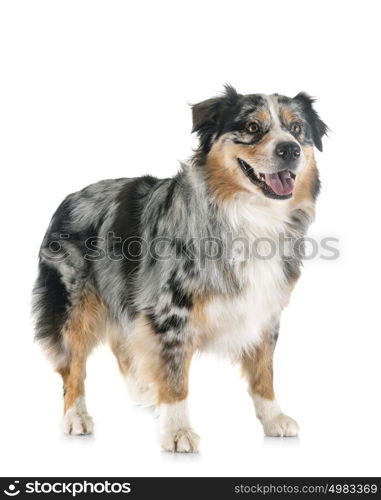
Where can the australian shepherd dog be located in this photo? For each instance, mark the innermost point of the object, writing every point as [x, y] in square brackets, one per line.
[162, 268]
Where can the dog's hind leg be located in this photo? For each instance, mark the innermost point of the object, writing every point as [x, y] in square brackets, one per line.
[141, 394]
[81, 333]
[67, 328]
[257, 367]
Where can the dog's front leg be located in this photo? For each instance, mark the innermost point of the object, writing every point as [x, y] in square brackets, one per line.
[159, 354]
[257, 368]
[175, 429]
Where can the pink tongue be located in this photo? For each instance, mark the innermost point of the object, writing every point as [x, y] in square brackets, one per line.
[281, 183]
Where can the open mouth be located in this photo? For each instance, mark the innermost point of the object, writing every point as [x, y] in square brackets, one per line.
[278, 186]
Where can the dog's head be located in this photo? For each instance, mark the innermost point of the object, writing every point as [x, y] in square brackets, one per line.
[257, 142]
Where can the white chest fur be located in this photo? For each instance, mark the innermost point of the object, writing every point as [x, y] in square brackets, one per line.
[237, 323]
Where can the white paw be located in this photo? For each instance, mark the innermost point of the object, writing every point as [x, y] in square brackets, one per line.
[182, 441]
[77, 421]
[280, 425]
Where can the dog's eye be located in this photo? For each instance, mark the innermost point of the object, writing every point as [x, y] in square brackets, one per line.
[296, 128]
[252, 127]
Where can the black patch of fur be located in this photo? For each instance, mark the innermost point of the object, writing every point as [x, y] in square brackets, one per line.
[172, 322]
[219, 115]
[189, 268]
[171, 343]
[51, 303]
[210, 115]
[170, 194]
[127, 226]
[179, 297]
[61, 229]
[318, 127]
[61, 217]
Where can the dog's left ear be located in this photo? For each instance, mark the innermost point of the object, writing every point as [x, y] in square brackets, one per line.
[318, 127]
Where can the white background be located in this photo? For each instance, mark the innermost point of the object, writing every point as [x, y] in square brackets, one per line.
[99, 89]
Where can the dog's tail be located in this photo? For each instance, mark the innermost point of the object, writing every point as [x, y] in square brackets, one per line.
[50, 306]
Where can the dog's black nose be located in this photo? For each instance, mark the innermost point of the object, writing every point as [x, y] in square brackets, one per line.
[288, 150]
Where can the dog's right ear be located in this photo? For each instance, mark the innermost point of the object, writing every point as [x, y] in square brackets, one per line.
[206, 116]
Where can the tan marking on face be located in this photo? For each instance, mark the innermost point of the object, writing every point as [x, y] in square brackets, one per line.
[262, 115]
[224, 174]
[149, 366]
[288, 116]
[257, 152]
[257, 367]
[306, 178]
[80, 336]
